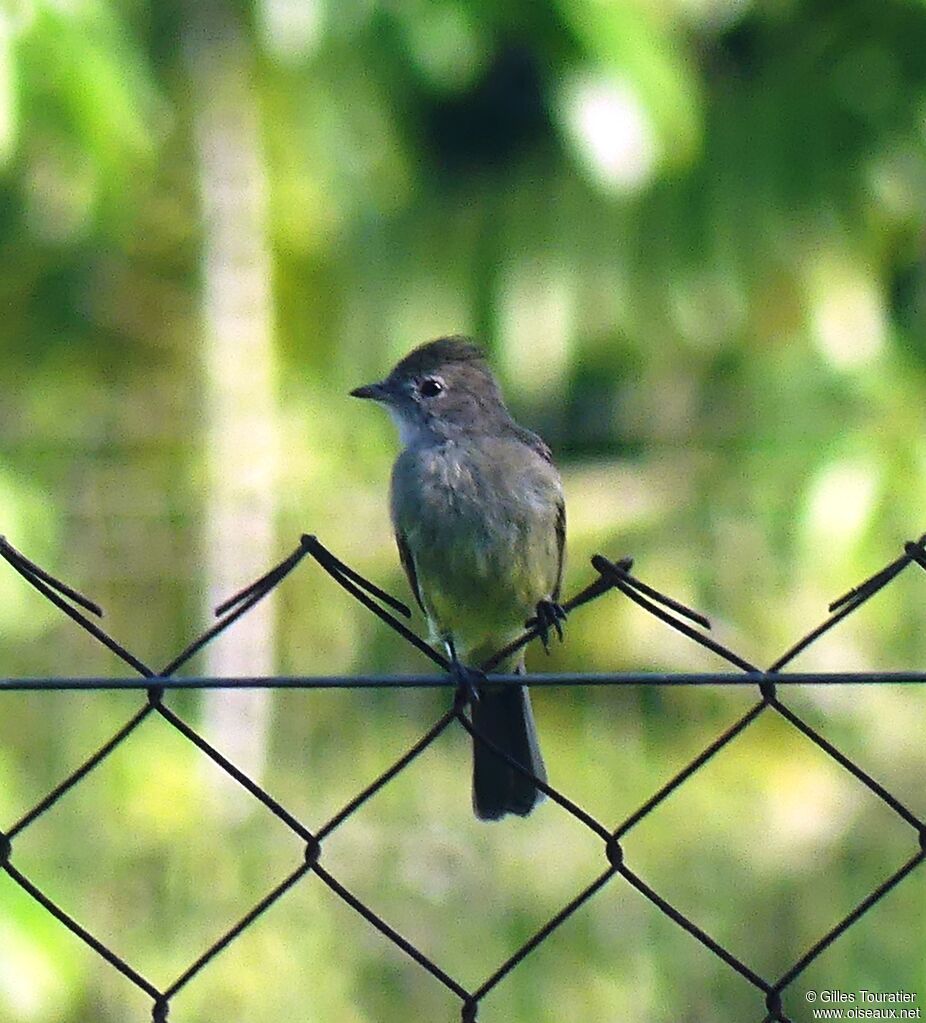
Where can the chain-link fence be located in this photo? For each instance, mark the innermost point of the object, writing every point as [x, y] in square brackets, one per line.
[771, 992]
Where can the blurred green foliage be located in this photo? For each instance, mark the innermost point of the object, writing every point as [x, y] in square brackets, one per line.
[691, 234]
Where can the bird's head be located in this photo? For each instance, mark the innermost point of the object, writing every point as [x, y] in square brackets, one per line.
[440, 389]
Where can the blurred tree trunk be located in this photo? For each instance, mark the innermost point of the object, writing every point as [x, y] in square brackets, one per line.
[242, 443]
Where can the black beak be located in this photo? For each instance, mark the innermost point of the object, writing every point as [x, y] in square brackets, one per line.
[378, 392]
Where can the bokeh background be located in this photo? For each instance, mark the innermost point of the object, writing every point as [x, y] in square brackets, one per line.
[691, 235]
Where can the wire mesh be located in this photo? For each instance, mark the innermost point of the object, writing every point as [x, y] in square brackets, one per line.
[610, 576]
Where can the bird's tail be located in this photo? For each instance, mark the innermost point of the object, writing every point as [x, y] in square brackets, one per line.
[503, 715]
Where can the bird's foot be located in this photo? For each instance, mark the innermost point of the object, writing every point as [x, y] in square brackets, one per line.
[468, 682]
[550, 615]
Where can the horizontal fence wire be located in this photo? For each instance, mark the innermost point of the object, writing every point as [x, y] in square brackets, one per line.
[538, 680]
[155, 684]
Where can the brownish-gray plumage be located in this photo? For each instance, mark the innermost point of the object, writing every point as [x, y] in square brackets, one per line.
[480, 524]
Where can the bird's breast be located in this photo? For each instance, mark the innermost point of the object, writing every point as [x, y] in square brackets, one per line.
[481, 528]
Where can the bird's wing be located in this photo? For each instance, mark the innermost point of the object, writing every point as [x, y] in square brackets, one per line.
[539, 446]
[560, 545]
[535, 443]
[408, 563]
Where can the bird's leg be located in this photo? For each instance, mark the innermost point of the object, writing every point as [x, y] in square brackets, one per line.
[468, 680]
[550, 615]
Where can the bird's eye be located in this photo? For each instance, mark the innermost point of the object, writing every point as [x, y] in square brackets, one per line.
[431, 387]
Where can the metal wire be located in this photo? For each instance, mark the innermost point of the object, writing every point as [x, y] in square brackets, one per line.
[770, 992]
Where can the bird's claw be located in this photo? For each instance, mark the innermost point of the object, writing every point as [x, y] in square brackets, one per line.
[468, 682]
[550, 615]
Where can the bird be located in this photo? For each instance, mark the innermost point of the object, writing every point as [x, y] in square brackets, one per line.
[479, 517]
